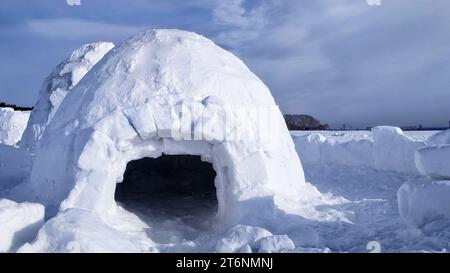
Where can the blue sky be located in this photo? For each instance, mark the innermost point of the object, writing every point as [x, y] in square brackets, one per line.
[339, 60]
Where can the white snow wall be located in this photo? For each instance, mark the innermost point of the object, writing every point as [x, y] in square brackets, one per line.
[389, 150]
[56, 86]
[123, 110]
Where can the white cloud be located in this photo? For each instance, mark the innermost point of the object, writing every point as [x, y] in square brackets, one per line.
[243, 24]
[73, 2]
[374, 2]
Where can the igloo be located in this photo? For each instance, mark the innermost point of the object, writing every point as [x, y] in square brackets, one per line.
[56, 86]
[171, 92]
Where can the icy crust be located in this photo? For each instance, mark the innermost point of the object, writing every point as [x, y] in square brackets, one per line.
[12, 125]
[56, 86]
[123, 110]
[19, 223]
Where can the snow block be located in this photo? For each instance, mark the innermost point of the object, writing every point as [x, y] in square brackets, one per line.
[350, 153]
[394, 151]
[239, 236]
[12, 125]
[440, 138]
[309, 147]
[423, 201]
[19, 223]
[314, 148]
[275, 243]
[434, 161]
[78, 231]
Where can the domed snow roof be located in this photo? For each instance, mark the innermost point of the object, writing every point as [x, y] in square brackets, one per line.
[172, 92]
[56, 86]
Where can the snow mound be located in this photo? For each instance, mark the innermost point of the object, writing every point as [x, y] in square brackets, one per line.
[394, 151]
[19, 223]
[56, 86]
[12, 125]
[434, 161]
[79, 231]
[137, 102]
[424, 201]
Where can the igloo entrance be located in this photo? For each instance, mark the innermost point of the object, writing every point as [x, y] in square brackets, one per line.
[170, 188]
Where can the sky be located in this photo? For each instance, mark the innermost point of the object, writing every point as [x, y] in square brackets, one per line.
[358, 62]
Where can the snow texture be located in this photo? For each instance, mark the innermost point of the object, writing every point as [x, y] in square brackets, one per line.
[56, 86]
[12, 125]
[19, 223]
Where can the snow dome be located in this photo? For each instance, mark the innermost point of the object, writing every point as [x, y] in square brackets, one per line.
[170, 92]
[56, 86]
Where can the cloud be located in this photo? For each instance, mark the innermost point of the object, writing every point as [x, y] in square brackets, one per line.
[374, 2]
[241, 24]
[73, 2]
[344, 61]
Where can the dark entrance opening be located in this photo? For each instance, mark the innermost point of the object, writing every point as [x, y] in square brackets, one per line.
[177, 188]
